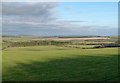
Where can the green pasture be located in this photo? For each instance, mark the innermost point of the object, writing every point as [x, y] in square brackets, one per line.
[55, 63]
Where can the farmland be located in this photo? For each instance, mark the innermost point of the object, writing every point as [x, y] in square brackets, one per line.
[63, 60]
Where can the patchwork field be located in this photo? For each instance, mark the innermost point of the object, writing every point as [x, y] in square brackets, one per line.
[56, 63]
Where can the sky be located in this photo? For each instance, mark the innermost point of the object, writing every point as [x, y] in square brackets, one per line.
[60, 18]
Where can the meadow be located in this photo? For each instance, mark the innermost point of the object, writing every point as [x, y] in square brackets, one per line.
[59, 63]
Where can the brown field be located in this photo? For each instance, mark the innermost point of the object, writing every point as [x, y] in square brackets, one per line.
[68, 39]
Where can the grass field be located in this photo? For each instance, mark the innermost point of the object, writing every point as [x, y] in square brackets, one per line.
[54, 63]
[0, 66]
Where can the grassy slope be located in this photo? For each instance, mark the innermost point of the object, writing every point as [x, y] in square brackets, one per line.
[59, 63]
[0, 66]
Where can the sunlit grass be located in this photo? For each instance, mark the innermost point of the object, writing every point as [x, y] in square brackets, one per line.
[59, 63]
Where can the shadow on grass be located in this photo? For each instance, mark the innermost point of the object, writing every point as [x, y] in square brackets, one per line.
[87, 68]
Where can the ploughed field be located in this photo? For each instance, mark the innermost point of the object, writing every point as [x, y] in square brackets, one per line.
[59, 63]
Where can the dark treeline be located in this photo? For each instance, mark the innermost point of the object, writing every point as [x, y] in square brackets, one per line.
[107, 46]
[80, 36]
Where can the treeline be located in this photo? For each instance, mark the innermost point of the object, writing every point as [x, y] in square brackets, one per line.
[58, 43]
[81, 36]
[38, 43]
[107, 46]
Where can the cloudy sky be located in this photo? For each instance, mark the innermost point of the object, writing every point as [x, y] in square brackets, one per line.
[59, 18]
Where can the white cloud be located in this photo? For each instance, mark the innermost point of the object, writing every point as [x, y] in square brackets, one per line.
[43, 11]
[41, 19]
